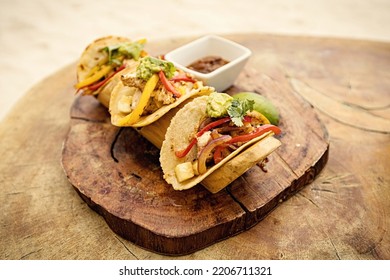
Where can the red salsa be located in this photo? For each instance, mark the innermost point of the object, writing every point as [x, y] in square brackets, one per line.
[207, 64]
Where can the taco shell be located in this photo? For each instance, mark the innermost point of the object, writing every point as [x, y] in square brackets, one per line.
[93, 56]
[104, 92]
[239, 164]
[182, 128]
[120, 119]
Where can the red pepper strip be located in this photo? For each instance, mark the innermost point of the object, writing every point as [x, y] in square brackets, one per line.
[103, 82]
[218, 153]
[211, 125]
[182, 78]
[247, 119]
[184, 152]
[167, 84]
[256, 133]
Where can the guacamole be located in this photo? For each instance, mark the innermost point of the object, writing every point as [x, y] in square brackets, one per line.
[116, 53]
[151, 65]
[218, 104]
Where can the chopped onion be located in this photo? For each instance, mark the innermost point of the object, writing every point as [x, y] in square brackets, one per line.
[205, 153]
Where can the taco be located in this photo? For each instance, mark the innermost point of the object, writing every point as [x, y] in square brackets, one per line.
[209, 132]
[154, 88]
[102, 60]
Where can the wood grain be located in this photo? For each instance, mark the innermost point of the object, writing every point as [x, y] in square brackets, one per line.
[342, 214]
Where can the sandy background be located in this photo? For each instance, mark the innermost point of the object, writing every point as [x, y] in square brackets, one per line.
[38, 37]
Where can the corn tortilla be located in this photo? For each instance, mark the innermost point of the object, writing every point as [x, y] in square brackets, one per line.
[184, 125]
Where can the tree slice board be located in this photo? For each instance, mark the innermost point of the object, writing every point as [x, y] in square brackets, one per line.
[117, 172]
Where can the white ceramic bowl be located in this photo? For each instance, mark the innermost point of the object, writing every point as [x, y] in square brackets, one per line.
[211, 45]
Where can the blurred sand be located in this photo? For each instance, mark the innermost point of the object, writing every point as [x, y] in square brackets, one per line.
[38, 37]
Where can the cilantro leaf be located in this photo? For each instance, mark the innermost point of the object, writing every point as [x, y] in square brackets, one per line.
[111, 50]
[238, 109]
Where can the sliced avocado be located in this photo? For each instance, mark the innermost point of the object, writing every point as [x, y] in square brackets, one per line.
[262, 105]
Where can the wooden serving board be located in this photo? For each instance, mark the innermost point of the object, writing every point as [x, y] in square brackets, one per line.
[343, 214]
[117, 172]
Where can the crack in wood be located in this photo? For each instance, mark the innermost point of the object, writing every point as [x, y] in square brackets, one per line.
[384, 107]
[342, 112]
[112, 148]
[308, 199]
[136, 176]
[229, 191]
[86, 119]
[28, 254]
[127, 249]
[335, 249]
[323, 190]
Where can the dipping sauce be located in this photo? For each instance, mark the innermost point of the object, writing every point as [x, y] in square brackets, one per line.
[207, 64]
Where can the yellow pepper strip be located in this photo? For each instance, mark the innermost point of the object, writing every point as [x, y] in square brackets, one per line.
[263, 118]
[93, 71]
[95, 77]
[144, 53]
[97, 67]
[135, 115]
